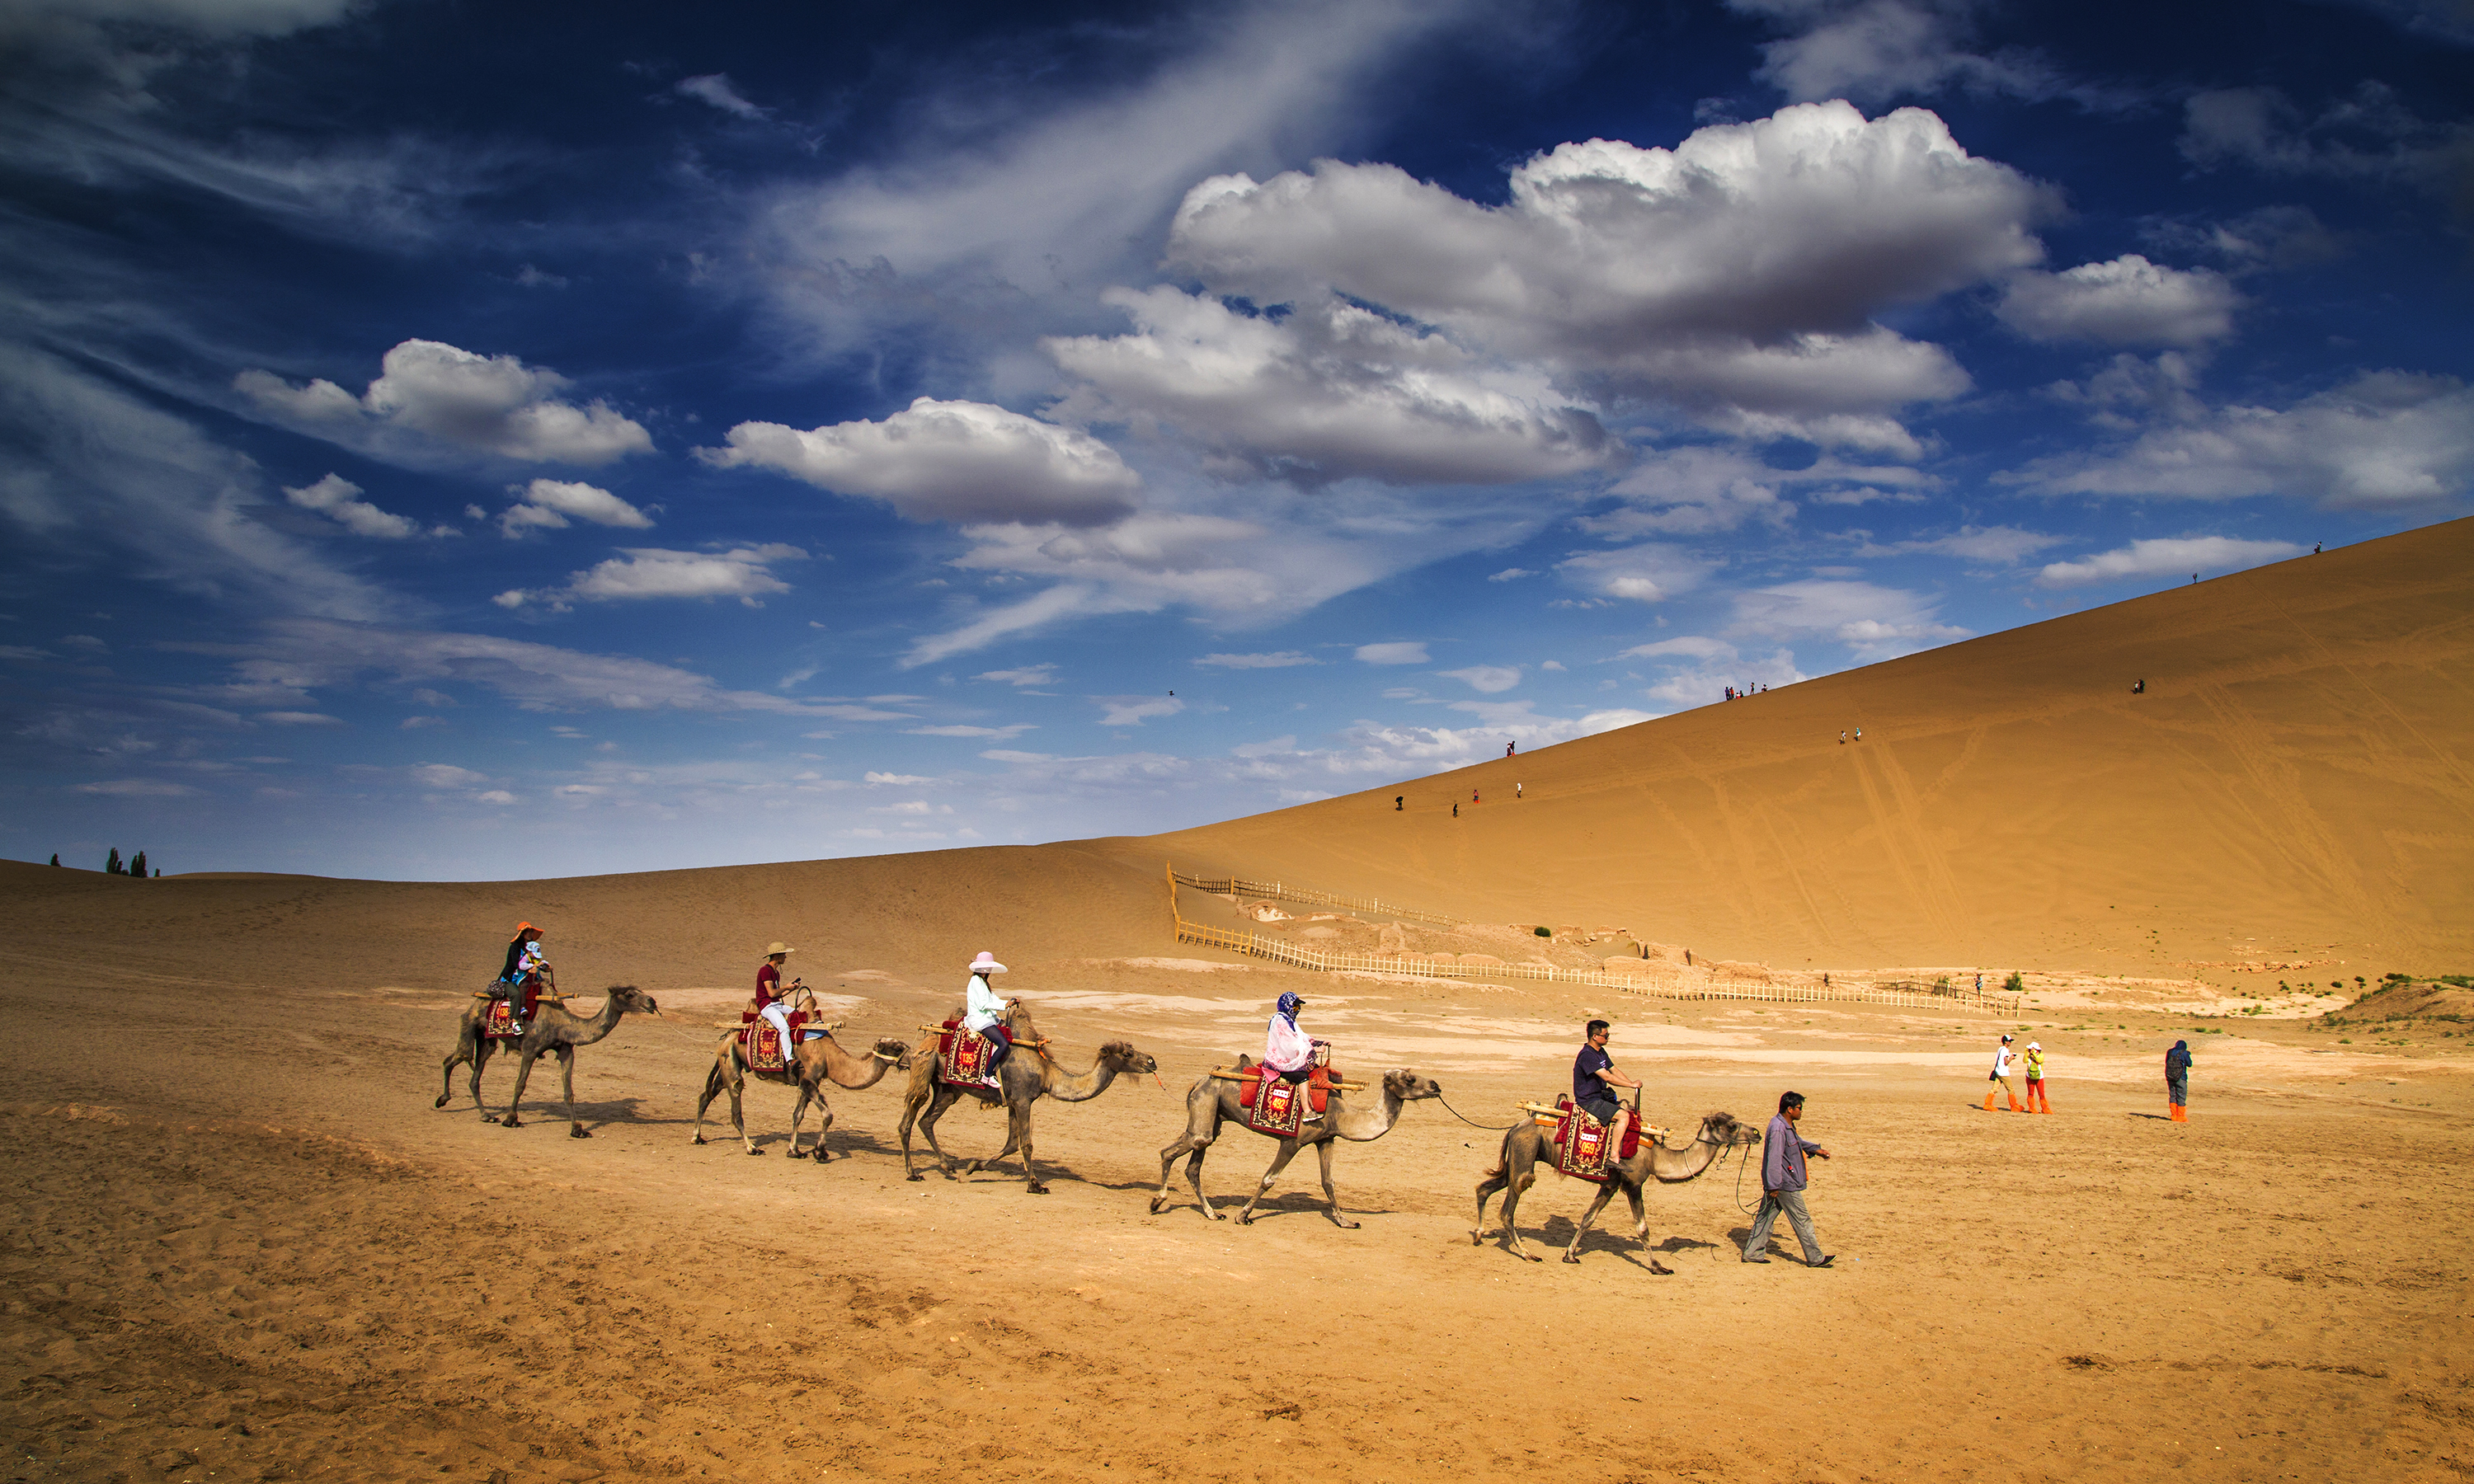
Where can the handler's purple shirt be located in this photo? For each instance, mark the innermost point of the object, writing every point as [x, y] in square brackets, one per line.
[1782, 1155]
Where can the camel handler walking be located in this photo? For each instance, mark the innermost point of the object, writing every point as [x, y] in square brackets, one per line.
[2036, 1101]
[1783, 1152]
[983, 1011]
[521, 971]
[1594, 1079]
[2004, 1059]
[770, 1006]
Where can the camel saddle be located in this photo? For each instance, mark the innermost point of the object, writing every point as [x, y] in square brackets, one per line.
[759, 1046]
[497, 1021]
[963, 1057]
[1274, 1107]
[1582, 1148]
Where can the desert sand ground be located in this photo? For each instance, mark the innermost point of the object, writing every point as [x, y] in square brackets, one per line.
[241, 1244]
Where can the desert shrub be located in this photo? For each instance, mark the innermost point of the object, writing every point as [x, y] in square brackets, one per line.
[2015, 984]
[1544, 932]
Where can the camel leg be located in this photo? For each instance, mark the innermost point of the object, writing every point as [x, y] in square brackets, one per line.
[943, 1098]
[1322, 1152]
[464, 1038]
[1289, 1148]
[712, 1090]
[1605, 1193]
[482, 1051]
[1486, 1189]
[1032, 1183]
[523, 1074]
[1640, 1230]
[566, 1090]
[910, 1107]
[738, 1115]
[1193, 1144]
[1520, 1182]
[809, 1091]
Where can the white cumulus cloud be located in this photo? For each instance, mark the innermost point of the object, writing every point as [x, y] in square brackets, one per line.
[2167, 557]
[1736, 275]
[654, 572]
[1327, 391]
[547, 503]
[431, 393]
[950, 461]
[339, 500]
[2386, 439]
[2128, 301]
[1398, 652]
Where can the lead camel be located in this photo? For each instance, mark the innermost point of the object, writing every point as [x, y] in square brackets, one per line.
[1526, 1146]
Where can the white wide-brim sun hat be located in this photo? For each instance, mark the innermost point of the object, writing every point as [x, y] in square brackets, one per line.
[986, 963]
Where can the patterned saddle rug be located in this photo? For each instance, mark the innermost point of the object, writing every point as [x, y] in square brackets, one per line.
[758, 1047]
[1279, 1108]
[1583, 1149]
[963, 1057]
[497, 1021]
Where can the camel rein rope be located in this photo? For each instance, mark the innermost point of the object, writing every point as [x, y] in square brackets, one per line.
[1472, 1122]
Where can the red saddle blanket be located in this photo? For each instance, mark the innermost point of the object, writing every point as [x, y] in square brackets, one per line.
[759, 1046]
[963, 1057]
[1279, 1108]
[1583, 1148]
[497, 1021]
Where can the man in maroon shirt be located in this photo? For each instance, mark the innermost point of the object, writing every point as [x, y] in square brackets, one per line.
[769, 1004]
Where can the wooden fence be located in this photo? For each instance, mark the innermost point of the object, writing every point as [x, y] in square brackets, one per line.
[1276, 891]
[1279, 950]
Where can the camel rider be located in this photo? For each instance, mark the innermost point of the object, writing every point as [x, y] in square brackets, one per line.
[521, 971]
[1287, 1051]
[983, 1011]
[769, 1003]
[1594, 1079]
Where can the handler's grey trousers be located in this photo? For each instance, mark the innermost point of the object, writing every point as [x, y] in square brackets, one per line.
[1790, 1202]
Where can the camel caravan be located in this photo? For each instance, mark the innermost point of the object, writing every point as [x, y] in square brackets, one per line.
[988, 1052]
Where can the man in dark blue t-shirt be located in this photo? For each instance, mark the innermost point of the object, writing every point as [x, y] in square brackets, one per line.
[1594, 1077]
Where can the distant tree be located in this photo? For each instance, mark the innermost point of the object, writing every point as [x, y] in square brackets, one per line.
[137, 865]
[2014, 982]
[112, 867]
[55, 857]
[159, 873]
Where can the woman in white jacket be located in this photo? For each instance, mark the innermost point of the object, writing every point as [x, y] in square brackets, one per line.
[983, 1011]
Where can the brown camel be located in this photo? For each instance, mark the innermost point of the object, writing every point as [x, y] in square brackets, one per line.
[1214, 1101]
[553, 1028]
[1526, 1146]
[819, 1060]
[1029, 1076]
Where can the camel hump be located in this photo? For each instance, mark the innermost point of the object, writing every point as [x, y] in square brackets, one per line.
[1244, 1061]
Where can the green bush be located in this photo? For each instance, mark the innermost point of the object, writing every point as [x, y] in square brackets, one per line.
[1544, 932]
[2014, 984]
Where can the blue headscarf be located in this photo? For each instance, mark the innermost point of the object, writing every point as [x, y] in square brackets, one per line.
[1289, 1006]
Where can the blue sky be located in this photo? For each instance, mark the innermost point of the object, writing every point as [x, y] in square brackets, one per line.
[448, 443]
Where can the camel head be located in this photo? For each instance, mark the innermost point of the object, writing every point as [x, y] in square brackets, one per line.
[633, 1000]
[1408, 1087]
[895, 1051]
[1729, 1132]
[1126, 1059]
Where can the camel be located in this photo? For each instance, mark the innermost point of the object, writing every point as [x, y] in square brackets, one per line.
[1527, 1146]
[553, 1028]
[819, 1060]
[1029, 1076]
[1214, 1101]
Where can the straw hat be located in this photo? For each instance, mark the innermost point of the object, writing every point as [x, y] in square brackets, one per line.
[777, 946]
[986, 963]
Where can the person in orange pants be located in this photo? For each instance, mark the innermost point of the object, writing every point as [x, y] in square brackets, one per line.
[2177, 1081]
[2036, 1079]
[2004, 1060]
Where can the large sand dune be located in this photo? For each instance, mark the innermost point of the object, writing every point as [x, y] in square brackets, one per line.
[239, 1242]
[2298, 776]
